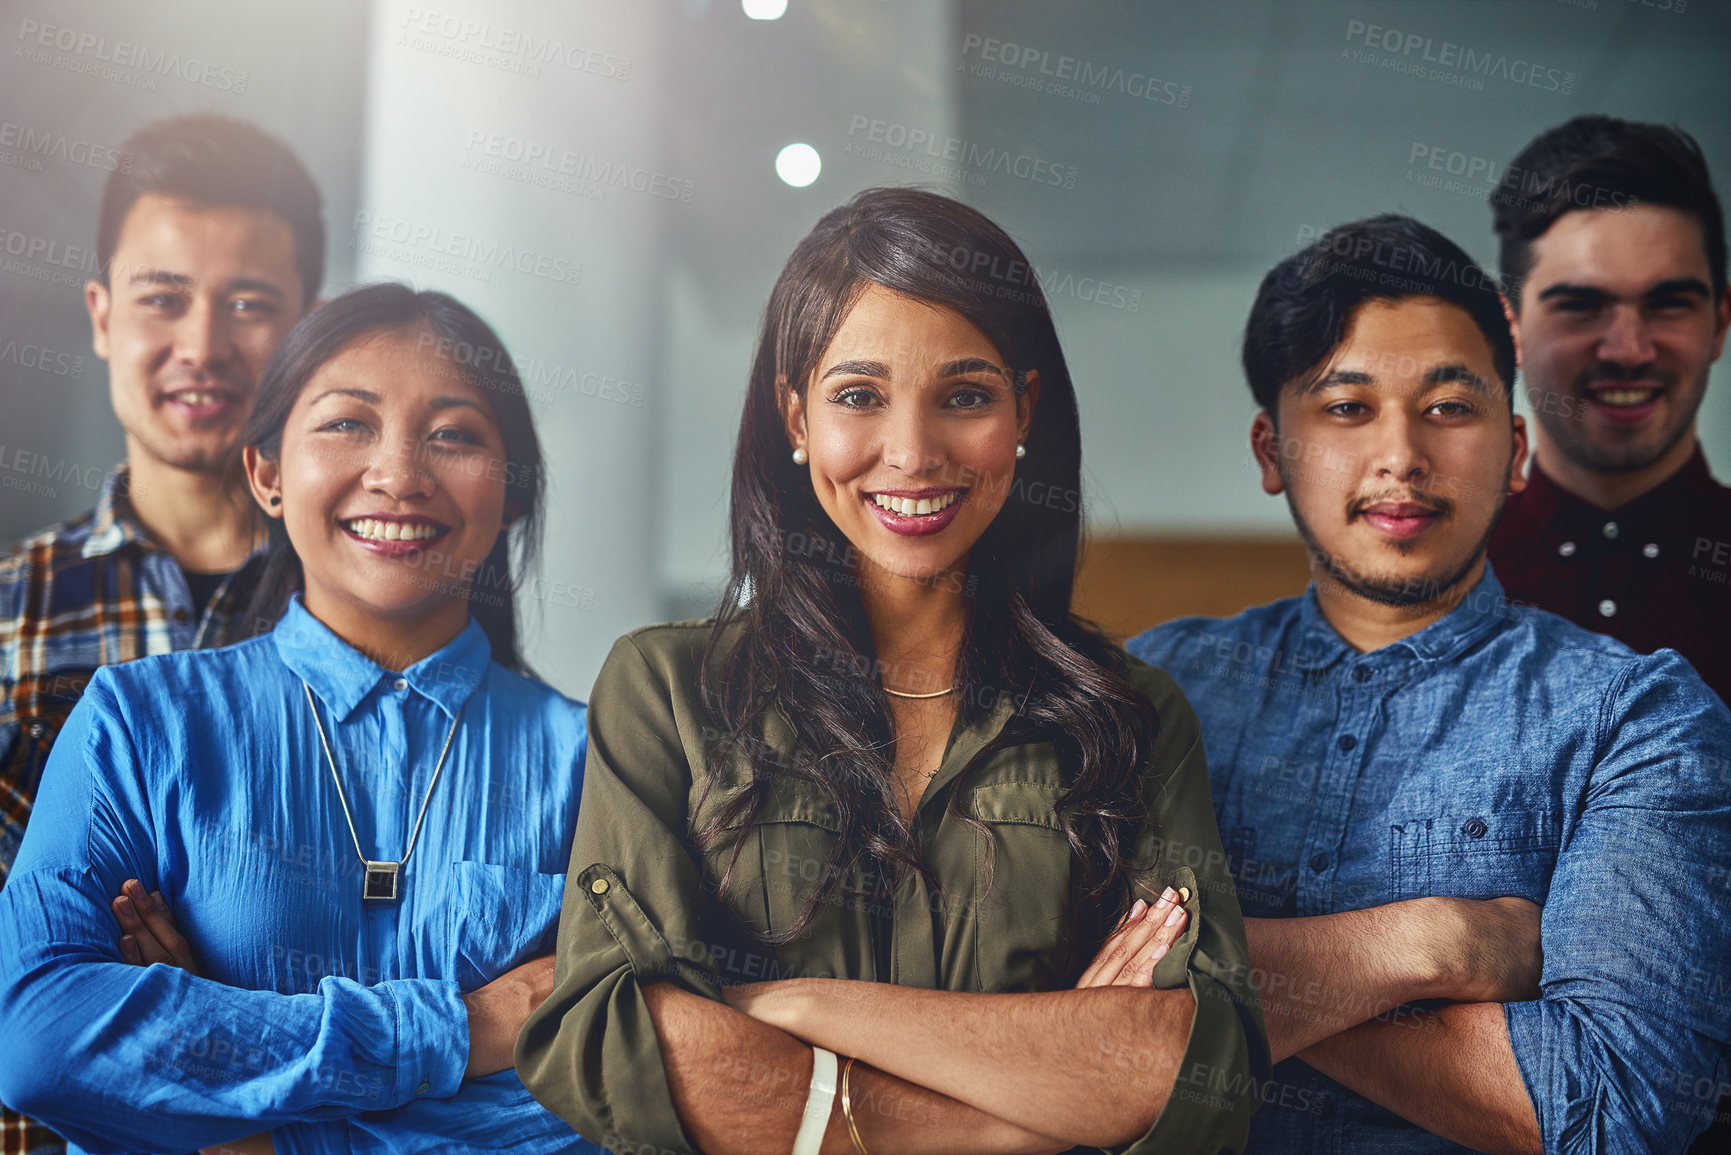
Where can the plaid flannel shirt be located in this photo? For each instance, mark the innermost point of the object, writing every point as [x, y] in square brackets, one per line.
[85, 593]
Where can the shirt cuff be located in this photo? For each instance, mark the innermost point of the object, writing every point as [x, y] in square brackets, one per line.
[1224, 1066]
[1526, 1026]
[432, 1038]
[310, 1138]
[651, 955]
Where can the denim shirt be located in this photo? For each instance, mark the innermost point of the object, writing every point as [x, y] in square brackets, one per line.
[1499, 751]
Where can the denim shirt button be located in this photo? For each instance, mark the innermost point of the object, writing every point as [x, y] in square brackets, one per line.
[1361, 673]
[1319, 862]
[1475, 828]
[1346, 743]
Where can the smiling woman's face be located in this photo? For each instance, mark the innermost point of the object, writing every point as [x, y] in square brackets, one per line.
[392, 480]
[911, 423]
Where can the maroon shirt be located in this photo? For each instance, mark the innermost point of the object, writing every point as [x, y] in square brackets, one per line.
[1655, 572]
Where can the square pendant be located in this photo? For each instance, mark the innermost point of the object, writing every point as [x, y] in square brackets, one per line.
[381, 881]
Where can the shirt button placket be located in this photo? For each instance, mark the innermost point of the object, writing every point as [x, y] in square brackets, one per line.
[163, 572]
[394, 781]
[1334, 793]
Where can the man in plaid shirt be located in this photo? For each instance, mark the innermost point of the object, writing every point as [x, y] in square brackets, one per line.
[211, 245]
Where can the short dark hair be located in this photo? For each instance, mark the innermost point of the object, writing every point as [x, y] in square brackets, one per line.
[1307, 301]
[1600, 162]
[217, 160]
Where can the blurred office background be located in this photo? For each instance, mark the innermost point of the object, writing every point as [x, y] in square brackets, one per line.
[600, 181]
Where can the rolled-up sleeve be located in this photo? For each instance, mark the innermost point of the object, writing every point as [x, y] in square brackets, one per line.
[1626, 1050]
[1226, 1062]
[630, 917]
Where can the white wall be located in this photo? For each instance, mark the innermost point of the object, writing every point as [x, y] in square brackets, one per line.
[296, 72]
[561, 263]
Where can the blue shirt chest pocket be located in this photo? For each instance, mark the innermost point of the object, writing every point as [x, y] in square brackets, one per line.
[1474, 854]
[500, 917]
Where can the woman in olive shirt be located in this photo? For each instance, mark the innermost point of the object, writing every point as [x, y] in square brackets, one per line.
[895, 758]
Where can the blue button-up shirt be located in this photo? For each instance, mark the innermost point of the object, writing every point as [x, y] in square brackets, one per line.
[1499, 751]
[336, 1022]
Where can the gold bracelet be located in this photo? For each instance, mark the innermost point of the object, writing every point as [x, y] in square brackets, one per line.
[847, 1108]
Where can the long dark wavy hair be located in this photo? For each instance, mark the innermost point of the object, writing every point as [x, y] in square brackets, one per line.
[474, 352]
[806, 646]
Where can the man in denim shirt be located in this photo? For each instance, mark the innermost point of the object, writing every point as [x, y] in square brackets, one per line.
[1404, 763]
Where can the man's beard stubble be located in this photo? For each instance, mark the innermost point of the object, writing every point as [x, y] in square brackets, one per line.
[1400, 592]
[1567, 431]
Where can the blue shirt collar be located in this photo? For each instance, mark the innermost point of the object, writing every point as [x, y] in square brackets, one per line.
[341, 676]
[1482, 609]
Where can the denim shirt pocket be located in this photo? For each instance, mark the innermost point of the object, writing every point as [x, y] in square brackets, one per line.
[1474, 854]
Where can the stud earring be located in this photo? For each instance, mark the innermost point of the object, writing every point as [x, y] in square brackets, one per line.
[1021, 452]
[275, 501]
[800, 457]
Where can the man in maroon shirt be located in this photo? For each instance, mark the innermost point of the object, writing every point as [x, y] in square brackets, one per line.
[1613, 249]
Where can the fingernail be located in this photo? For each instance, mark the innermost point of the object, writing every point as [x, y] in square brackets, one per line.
[156, 897]
[1136, 911]
[1159, 953]
[124, 903]
[1178, 912]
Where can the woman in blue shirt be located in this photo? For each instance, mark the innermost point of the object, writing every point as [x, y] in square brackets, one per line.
[361, 818]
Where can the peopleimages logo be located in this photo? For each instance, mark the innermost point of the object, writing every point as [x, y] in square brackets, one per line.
[41, 358]
[483, 36]
[382, 235]
[882, 135]
[1482, 177]
[45, 259]
[1455, 63]
[1074, 77]
[492, 152]
[36, 144]
[97, 50]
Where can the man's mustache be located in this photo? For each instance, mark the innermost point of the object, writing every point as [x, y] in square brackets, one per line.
[1441, 506]
[1613, 373]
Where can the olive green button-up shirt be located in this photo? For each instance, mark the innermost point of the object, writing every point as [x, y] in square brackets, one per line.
[641, 904]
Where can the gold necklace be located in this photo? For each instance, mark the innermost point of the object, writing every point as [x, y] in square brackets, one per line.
[903, 694]
[380, 883]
